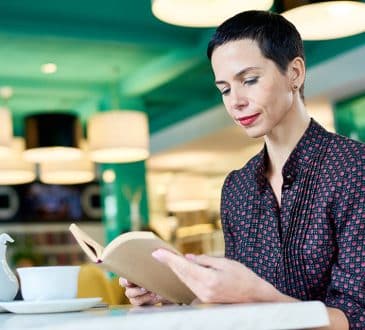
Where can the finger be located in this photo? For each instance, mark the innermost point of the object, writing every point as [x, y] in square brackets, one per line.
[135, 292]
[124, 282]
[201, 280]
[192, 274]
[147, 299]
[196, 301]
[207, 261]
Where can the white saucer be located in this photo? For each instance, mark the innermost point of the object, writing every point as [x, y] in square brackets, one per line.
[49, 306]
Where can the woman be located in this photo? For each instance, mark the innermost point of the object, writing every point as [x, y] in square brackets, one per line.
[293, 217]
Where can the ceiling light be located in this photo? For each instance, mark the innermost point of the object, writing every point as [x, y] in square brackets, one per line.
[52, 137]
[187, 192]
[6, 92]
[203, 13]
[67, 172]
[328, 20]
[6, 131]
[118, 136]
[49, 68]
[13, 168]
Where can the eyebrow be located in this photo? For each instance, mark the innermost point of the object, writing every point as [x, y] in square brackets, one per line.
[238, 74]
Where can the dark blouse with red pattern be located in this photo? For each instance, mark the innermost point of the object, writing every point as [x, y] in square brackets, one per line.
[313, 246]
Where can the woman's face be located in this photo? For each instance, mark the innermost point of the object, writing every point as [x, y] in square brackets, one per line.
[255, 93]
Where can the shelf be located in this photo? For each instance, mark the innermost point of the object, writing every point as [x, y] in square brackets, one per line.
[58, 248]
[42, 227]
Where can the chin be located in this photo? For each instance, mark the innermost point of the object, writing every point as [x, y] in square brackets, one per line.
[255, 132]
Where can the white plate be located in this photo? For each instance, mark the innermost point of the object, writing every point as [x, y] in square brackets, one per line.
[49, 306]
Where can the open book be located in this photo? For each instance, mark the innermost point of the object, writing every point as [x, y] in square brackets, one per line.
[129, 256]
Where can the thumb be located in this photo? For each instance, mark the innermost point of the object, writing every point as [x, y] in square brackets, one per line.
[207, 261]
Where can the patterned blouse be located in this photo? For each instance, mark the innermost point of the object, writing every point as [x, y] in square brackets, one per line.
[313, 246]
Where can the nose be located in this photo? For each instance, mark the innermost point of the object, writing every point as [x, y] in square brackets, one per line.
[238, 101]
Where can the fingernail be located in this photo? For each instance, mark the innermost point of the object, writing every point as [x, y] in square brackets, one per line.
[190, 256]
[158, 254]
[122, 281]
[143, 290]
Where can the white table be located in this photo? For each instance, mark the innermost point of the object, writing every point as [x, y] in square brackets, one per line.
[284, 316]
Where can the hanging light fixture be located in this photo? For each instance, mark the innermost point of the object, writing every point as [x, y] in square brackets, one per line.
[187, 192]
[118, 136]
[13, 168]
[67, 172]
[326, 20]
[6, 132]
[52, 137]
[203, 13]
[6, 122]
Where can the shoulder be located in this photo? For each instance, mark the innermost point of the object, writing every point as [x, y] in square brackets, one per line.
[346, 145]
[345, 153]
[345, 163]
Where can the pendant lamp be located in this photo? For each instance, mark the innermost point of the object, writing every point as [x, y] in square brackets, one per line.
[187, 192]
[52, 137]
[326, 20]
[67, 172]
[203, 13]
[6, 131]
[118, 136]
[14, 169]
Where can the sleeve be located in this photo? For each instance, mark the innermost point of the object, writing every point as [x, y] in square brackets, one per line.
[347, 287]
[226, 207]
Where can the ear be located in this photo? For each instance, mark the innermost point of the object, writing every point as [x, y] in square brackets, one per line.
[296, 73]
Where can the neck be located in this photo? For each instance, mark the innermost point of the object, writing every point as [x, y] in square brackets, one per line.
[283, 138]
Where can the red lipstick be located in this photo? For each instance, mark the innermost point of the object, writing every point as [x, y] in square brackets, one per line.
[248, 120]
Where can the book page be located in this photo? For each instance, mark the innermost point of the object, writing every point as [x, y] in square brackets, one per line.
[92, 248]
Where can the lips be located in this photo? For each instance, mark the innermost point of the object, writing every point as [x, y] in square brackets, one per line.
[248, 120]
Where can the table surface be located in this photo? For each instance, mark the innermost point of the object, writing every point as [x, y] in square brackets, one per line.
[273, 316]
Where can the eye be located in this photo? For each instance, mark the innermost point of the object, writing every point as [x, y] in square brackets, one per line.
[225, 91]
[250, 81]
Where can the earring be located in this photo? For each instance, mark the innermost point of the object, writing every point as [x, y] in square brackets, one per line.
[295, 87]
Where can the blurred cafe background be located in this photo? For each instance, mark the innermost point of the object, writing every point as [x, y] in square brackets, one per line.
[109, 116]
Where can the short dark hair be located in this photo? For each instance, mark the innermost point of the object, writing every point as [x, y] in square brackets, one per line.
[277, 38]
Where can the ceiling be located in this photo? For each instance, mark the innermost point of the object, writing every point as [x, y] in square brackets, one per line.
[114, 54]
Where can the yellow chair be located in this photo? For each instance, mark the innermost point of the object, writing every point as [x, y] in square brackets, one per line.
[93, 282]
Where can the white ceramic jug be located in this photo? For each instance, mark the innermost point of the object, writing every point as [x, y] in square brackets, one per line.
[8, 282]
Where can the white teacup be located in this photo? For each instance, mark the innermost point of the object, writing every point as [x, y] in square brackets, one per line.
[49, 282]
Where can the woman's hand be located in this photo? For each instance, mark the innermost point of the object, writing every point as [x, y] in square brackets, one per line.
[140, 296]
[219, 280]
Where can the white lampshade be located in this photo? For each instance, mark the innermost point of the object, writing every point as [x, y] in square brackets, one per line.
[14, 169]
[187, 192]
[6, 131]
[67, 172]
[52, 137]
[203, 13]
[328, 20]
[118, 136]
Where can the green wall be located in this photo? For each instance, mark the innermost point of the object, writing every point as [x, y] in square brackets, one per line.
[349, 117]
